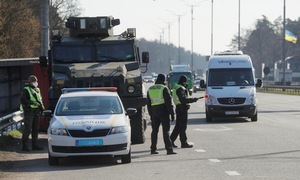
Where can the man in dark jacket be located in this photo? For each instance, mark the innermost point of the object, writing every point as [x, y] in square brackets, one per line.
[159, 104]
[181, 101]
[32, 105]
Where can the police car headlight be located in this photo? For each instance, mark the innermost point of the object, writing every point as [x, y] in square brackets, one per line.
[130, 89]
[211, 100]
[59, 131]
[119, 130]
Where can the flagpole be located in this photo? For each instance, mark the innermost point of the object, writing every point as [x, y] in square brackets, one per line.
[283, 46]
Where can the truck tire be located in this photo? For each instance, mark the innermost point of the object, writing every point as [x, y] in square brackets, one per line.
[137, 123]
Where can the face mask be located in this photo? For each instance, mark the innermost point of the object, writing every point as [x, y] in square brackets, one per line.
[35, 84]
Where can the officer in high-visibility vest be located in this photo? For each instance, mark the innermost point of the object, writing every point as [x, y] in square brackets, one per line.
[32, 105]
[181, 100]
[159, 104]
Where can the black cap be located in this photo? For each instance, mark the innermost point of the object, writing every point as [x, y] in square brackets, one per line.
[160, 79]
[182, 79]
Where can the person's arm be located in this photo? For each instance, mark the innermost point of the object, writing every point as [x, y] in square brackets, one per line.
[183, 98]
[148, 104]
[168, 101]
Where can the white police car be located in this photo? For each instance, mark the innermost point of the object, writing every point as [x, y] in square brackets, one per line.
[89, 121]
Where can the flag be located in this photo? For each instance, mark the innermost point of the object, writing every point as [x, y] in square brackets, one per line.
[289, 36]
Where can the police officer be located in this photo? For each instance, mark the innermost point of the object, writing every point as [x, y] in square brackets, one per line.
[181, 101]
[32, 105]
[159, 104]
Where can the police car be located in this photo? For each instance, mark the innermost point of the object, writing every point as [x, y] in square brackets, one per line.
[89, 121]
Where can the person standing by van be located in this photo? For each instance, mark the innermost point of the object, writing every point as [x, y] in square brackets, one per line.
[181, 100]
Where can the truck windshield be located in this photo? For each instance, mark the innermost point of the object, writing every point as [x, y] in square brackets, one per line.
[92, 53]
[231, 77]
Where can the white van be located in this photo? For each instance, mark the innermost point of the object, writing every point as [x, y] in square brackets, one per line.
[230, 86]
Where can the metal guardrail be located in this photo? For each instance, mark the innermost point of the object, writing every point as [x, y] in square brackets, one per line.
[287, 89]
[11, 122]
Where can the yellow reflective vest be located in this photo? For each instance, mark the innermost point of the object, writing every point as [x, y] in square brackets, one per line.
[31, 93]
[156, 94]
[174, 94]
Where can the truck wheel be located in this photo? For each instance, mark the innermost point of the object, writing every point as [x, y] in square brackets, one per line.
[52, 161]
[137, 123]
[126, 158]
[254, 118]
[208, 117]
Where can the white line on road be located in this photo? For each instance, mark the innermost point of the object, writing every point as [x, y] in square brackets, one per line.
[220, 128]
[200, 150]
[232, 173]
[214, 160]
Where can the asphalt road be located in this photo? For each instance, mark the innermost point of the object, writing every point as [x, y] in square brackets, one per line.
[224, 149]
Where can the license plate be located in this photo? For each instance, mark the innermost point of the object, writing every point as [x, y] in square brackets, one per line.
[231, 112]
[89, 142]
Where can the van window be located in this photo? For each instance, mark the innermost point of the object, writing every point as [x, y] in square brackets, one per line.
[230, 77]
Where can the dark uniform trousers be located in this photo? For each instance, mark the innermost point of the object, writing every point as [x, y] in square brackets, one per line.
[31, 125]
[181, 124]
[159, 116]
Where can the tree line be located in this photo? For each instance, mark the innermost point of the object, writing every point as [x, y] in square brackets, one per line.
[20, 35]
[264, 43]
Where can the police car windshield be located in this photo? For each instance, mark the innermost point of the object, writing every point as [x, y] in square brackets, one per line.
[231, 77]
[72, 106]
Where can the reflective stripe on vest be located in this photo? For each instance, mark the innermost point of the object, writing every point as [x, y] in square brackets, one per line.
[174, 94]
[156, 94]
[38, 95]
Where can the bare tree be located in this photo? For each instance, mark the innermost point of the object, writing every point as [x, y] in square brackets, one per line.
[19, 30]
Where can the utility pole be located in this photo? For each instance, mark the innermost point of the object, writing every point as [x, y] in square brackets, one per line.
[44, 27]
[283, 45]
[239, 27]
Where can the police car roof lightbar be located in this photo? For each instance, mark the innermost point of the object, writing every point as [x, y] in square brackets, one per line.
[68, 90]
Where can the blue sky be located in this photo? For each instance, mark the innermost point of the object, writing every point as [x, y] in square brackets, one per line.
[152, 17]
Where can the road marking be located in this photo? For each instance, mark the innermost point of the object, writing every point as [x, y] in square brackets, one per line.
[232, 173]
[220, 128]
[200, 150]
[214, 160]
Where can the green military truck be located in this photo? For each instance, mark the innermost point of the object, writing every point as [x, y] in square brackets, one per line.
[92, 56]
[178, 70]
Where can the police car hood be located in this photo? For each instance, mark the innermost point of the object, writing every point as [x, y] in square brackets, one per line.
[89, 122]
[81, 70]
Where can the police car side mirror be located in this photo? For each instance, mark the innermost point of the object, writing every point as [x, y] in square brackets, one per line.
[47, 113]
[131, 111]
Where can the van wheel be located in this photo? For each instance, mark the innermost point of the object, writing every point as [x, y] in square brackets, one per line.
[254, 118]
[208, 117]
